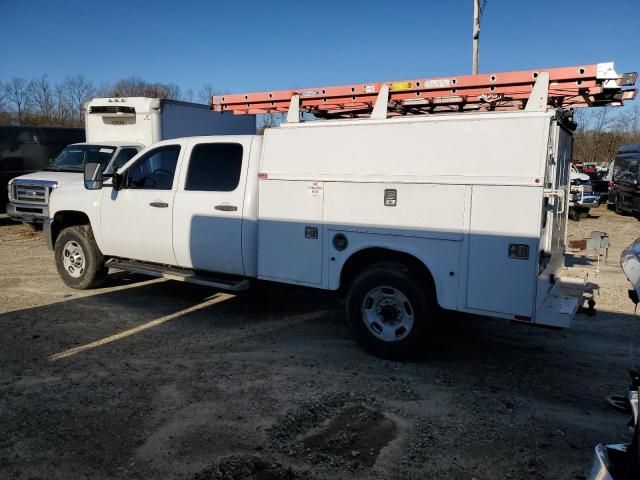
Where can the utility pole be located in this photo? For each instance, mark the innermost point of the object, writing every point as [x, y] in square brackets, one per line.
[476, 35]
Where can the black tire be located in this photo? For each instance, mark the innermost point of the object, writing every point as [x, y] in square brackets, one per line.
[619, 209]
[574, 214]
[81, 275]
[422, 305]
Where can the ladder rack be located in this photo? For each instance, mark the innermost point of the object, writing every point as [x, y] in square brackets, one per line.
[578, 86]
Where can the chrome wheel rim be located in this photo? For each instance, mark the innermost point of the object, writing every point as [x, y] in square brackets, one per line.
[73, 259]
[388, 314]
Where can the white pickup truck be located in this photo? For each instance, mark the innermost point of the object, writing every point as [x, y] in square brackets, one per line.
[116, 129]
[406, 215]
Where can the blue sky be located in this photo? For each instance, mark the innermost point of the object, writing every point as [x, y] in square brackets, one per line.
[243, 46]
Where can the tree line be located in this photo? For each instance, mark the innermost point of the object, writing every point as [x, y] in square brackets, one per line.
[601, 131]
[40, 102]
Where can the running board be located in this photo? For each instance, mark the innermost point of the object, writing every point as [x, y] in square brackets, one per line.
[223, 282]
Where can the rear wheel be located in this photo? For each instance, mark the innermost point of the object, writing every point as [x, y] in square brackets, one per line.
[389, 310]
[574, 214]
[78, 259]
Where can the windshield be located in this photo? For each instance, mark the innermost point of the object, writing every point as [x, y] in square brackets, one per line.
[73, 157]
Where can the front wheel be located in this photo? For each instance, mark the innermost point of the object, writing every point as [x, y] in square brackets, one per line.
[79, 262]
[388, 310]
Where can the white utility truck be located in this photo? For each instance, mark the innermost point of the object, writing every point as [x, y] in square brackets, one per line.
[116, 129]
[405, 214]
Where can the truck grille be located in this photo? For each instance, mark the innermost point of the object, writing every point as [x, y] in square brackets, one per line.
[36, 194]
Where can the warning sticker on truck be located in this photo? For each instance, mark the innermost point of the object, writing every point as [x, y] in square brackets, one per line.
[315, 188]
[401, 86]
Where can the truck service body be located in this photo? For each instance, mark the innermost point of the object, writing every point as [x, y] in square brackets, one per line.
[116, 129]
[469, 210]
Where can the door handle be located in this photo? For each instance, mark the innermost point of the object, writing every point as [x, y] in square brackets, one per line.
[226, 208]
[159, 204]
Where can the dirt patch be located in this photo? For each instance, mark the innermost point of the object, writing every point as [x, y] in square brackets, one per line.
[356, 433]
[252, 467]
[335, 430]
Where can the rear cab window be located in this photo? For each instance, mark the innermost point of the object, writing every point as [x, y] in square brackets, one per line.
[214, 167]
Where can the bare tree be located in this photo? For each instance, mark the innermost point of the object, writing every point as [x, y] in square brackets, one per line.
[188, 95]
[42, 99]
[205, 93]
[16, 93]
[172, 90]
[62, 112]
[601, 131]
[137, 87]
[79, 90]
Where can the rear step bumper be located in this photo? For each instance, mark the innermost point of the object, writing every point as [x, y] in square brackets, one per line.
[561, 303]
[223, 282]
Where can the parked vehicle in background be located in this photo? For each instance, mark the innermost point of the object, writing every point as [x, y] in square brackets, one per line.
[600, 186]
[581, 196]
[117, 129]
[29, 149]
[589, 168]
[626, 180]
[351, 205]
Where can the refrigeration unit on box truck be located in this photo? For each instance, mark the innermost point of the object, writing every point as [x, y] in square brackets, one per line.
[116, 130]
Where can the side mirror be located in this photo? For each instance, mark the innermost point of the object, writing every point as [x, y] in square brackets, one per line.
[93, 176]
[117, 179]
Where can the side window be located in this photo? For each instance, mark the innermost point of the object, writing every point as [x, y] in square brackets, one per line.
[155, 169]
[214, 167]
[123, 157]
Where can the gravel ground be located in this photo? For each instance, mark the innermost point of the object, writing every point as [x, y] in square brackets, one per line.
[147, 379]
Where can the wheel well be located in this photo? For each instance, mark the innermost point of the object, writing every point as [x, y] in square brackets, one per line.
[368, 257]
[67, 218]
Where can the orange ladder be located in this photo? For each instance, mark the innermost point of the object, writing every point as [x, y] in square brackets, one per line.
[577, 86]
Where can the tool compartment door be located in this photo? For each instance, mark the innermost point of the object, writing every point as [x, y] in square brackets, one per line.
[497, 282]
[290, 231]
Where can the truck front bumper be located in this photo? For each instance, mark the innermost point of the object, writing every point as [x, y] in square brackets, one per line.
[28, 213]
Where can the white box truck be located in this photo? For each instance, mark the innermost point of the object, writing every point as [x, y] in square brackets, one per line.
[116, 129]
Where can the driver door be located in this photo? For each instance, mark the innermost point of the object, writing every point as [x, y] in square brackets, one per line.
[136, 220]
